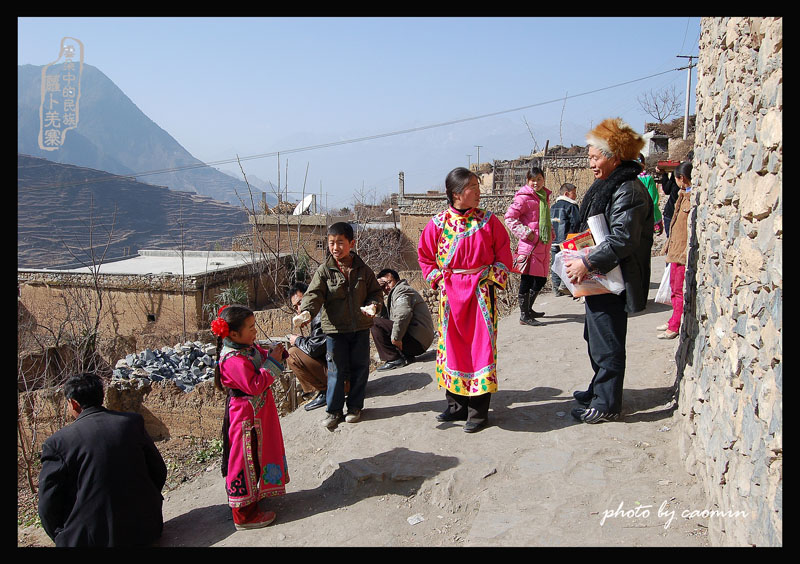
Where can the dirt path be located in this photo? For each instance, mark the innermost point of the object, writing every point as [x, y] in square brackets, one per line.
[534, 477]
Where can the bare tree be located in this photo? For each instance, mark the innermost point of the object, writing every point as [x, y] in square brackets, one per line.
[661, 104]
[535, 143]
[378, 246]
[52, 345]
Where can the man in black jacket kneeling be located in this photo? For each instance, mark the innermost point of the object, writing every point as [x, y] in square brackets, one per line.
[307, 355]
[101, 477]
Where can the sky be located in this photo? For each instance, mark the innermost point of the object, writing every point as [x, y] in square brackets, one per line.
[328, 103]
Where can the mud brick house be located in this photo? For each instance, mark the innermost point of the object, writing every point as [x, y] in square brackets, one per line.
[288, 234]
[157, 291]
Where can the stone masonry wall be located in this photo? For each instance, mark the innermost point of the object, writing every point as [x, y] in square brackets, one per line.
[730, 356]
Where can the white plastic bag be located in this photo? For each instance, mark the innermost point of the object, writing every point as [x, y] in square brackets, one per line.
[664, 293]
[595, 283]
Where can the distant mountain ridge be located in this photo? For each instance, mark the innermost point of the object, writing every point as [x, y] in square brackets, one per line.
[57, 203]
[114, 135]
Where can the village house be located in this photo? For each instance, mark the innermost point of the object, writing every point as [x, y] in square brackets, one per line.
[154, 292]
[288, 234]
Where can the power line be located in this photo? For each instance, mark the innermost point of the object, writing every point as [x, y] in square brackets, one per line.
[358, 139]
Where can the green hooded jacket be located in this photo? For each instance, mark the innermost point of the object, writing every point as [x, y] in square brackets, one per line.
[341, 299]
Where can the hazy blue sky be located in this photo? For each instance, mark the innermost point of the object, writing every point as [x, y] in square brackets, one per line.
[224, 87]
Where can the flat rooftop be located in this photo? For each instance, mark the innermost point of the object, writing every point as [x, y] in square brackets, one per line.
[160, 262]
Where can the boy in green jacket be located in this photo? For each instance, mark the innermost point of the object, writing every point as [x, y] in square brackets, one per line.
[347, 291]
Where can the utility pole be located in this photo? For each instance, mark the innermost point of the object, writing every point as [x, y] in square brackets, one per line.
[478, 160]
[688, 68]
[469, 158]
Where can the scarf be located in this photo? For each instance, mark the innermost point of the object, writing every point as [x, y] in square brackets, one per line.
[545, 228]
[601, 190]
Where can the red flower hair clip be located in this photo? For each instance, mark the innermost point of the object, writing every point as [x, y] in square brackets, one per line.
[220, 327]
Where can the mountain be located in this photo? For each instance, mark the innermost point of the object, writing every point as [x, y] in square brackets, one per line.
[114, 135]
[57, 203]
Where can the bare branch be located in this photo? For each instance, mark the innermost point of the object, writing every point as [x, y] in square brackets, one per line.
[661, 104]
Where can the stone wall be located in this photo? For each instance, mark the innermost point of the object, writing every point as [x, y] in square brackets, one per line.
[730, 355]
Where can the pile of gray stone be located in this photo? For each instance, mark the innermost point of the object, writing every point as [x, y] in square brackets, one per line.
[186, 364]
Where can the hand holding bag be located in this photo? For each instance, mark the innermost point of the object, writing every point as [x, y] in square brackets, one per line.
[521, 263]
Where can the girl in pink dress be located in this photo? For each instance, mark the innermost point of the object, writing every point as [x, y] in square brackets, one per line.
[465, 252]
[253, 458]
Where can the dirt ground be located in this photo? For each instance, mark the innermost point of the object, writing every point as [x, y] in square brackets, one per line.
[534, 477]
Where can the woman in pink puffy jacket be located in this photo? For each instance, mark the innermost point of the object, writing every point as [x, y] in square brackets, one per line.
[528, 218]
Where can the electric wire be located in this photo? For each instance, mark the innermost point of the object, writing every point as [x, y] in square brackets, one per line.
[355, 140]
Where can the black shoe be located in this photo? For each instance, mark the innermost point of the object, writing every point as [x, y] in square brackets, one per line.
[392, 364]
[529, 320]
[583, 398]
[593, 415]
[447, 416]
[318, 401]
[472, 427]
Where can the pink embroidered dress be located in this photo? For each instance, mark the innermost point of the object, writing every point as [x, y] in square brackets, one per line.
[464, 255]
[256, 461]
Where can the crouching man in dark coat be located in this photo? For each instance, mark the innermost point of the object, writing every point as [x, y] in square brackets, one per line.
[101, 477]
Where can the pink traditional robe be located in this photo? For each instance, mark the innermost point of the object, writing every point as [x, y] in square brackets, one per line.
[257, 459]
[463, 255]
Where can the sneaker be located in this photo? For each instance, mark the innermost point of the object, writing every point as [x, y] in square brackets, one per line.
[668, 334]
[353, 415]
[593, 415]
[259, 522]
[318, 401]
[397, 363]
[332, 420]
[662, 327]
[583, 398]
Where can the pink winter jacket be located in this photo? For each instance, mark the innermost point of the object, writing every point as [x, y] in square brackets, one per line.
[521, 218]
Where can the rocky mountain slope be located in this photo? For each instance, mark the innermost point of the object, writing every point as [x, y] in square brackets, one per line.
[60, 206]
[114, 135]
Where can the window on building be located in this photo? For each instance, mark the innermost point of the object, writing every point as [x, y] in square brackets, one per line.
[320, 245]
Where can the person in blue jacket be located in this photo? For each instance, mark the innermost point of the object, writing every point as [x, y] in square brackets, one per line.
[566, 219]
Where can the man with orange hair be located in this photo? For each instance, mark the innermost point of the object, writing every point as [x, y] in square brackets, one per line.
[620, 197]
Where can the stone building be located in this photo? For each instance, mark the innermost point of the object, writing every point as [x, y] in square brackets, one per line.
[570, 165]
[289, 234]
[730, 356]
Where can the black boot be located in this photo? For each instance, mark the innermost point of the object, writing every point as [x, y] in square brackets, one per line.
[525, 317]
[531, 312]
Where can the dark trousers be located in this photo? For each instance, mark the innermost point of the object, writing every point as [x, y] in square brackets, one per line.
[348, 359]
[605, 330]
[556, 279]
[312, 373]
[381, 331]
[529, 283]
[476, 408]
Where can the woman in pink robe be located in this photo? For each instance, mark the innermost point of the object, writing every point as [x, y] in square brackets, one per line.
[254, 459]
[465, 252]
